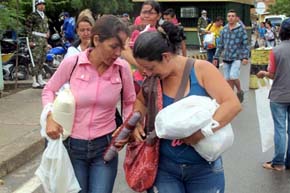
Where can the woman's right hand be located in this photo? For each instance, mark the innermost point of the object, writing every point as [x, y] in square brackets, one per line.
[53, 129]
[138, 133]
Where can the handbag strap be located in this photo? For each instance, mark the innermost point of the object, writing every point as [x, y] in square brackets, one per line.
[122, 91]
[185, 76]
[73, 68]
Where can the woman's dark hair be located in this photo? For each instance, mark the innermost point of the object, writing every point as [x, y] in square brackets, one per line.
[284, 32]
[150, 45]
[154, 4]
[269, 22]
[109, 26]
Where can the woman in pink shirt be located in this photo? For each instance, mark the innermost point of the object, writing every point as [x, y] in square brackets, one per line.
[96, 83]
[150, 14]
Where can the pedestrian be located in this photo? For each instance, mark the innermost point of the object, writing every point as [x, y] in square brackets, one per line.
[38, 32]
[84, 25]
[214, 28]
[270, 35]
[261, 33]
[278, 70]
[68, 27]
[150, 14]
[126, 19]
[181, 168]
[234, 44]
[202, 23]
[170, 16]
[96, 82]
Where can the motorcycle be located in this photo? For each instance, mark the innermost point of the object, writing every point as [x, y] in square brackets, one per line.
[56, 54]
[9, 60]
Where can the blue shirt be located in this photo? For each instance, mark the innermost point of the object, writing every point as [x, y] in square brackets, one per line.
[182, 154]
[262, 32]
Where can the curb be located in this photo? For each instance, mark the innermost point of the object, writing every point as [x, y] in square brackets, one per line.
[20, 151]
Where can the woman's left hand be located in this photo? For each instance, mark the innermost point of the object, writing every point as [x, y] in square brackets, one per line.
[194, 138]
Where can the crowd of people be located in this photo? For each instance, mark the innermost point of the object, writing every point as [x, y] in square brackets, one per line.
[108, 63]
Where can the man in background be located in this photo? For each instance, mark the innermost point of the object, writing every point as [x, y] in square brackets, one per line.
[202, 23]
[170, 16]
[68, 27]
[38, 33]
[234, 44]
[214, 29]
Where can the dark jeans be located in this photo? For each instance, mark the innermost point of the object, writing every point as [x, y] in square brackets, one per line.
[94, 176]
[210, 54]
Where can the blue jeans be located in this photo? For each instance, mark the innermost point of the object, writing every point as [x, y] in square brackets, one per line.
[205, 177]
[94, 176]
[281, 118]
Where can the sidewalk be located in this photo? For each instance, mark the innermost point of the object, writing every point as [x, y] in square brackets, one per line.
[20, 138]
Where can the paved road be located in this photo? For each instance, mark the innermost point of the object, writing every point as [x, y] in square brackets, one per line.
[242, 163]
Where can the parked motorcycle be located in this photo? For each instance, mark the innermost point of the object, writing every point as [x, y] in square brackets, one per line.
[9, 60]
[56, 54]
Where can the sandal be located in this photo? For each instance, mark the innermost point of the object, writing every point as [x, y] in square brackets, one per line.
[270, 166]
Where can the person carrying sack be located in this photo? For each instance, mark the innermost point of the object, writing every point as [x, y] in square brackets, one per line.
[179, 164]
[96, 83]
[214, 28]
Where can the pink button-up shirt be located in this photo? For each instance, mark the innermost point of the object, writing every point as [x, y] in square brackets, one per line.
[96, 95]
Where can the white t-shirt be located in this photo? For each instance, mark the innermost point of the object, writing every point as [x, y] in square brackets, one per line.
[72, 51]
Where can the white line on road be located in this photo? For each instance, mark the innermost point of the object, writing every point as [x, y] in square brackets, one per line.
[29, 186]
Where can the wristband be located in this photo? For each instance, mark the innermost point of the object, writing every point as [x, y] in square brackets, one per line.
[207, 131]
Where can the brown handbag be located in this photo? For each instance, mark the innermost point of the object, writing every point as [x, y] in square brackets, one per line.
[142, 158]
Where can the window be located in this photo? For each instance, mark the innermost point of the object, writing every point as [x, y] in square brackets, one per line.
[188, 12]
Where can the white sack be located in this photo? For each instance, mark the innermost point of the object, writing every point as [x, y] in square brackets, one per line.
[184, 117]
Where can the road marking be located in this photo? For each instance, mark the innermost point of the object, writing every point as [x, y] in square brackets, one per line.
[30, 186]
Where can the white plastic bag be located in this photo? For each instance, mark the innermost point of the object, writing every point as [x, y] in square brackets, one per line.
[55, 171]
[188, 115]
[184, 117]
[210, 148]
[266, 125]
[209, 40]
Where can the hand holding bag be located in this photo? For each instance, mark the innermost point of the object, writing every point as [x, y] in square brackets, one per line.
[141, 161]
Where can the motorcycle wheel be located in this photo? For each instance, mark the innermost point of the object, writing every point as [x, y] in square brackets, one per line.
[22, 73]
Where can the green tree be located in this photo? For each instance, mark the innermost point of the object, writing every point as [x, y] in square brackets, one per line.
[11, 17]
[280, 7]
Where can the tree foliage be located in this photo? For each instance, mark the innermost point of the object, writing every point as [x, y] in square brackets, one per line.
[280, 7]
[9, 13]
[11, 17]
